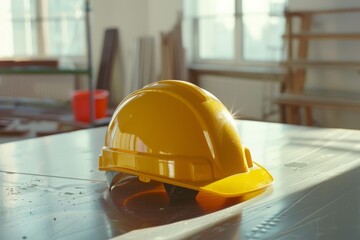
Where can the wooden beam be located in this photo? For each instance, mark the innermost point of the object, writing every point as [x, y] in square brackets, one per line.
[323, 36]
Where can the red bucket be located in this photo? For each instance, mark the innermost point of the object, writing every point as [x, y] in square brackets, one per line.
[81, 104]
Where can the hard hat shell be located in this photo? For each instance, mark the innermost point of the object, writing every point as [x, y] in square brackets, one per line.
[177, 133]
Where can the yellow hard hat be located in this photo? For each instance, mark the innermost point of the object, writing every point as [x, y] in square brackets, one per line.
[179, 134]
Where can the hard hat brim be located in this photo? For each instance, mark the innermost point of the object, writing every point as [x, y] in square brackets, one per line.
[239, 184]
[255, 179]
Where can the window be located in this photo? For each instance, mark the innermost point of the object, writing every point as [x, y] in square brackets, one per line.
[215, 26]
[42, 28]
[236, 30]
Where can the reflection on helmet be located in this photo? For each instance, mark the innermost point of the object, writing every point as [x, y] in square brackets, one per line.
[179, 134]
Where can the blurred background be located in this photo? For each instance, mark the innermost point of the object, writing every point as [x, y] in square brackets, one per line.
[286, 61]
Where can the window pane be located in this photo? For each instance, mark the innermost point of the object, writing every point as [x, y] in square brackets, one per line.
[70, 8]
[24, 38]
[262, 38]
[272, 7]
[215, 7]
[23, 9]
[66, 28]
[66, 37]
[216, 38]
[7, 45]
[263, 26]
[216, 27]
[18, 28]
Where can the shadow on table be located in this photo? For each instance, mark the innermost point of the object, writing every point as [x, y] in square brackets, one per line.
[139, 205]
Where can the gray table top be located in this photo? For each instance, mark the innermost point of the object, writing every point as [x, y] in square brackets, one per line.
[51, 189]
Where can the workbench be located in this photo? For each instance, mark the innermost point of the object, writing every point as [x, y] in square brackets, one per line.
[51, 189]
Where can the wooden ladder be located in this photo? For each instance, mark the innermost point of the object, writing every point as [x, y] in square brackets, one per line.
[294, 100]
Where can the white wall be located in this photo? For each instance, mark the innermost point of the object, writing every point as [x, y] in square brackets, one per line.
[162, 15]
[130, 17]
[245, 98]
[133, 18]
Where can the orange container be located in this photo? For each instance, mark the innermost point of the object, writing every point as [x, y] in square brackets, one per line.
[81, 104]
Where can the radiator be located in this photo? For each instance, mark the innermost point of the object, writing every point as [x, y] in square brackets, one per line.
[54, 87]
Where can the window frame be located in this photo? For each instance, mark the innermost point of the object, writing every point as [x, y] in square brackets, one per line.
[238, 43]
[42, 36]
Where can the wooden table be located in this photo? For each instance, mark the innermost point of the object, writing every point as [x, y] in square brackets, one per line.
[51, 189]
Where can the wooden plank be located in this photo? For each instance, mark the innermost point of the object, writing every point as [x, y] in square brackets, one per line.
[322, 11]
[309, 120]
[289, 32]
[110, 48]
[173, 53]
[46, 63]
[323, 36]
[299, 75]
[13, 132]
[42, 71]
[271, 73]
[324, 64]
[319, 101]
